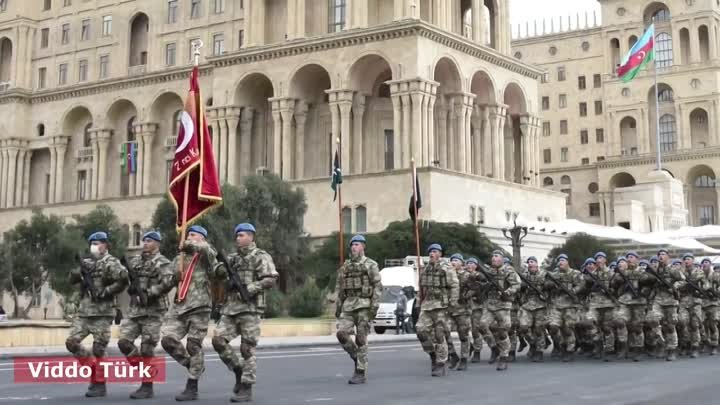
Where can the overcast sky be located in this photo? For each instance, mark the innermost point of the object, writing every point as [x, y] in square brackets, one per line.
[529, 10]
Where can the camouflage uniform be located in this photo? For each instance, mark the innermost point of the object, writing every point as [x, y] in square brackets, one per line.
[533, 314]
[690, 311]
[94, 317]
[711, 308]
[496, 323]
[663, 317]
[598, 319]
[460, 315]
[562, 315]
[439, 288]
[475, 297]
[256, 270]
[630, 315]
[191, 316]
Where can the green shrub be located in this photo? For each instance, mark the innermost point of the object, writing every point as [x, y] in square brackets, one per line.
[274, 303]
[306, 301]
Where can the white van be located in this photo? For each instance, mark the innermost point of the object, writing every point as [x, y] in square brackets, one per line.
[394, 279]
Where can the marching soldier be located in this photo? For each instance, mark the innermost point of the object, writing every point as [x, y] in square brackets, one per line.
[254, 271]
[359, 289]
[602, 306]
[502, 285]
[190, 314]
[564, 285]
[630, 315]
[690, 309]
[663, 318]
[439, 289]
[533, 312]
[711, 304]
[151, 278]
[460, 315]
[102, 278]
[474, 294]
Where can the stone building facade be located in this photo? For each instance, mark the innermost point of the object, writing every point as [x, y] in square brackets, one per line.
[599, 134]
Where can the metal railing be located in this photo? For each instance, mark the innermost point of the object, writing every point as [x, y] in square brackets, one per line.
[84, 154]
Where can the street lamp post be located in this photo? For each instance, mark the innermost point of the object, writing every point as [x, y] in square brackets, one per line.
[515, 232]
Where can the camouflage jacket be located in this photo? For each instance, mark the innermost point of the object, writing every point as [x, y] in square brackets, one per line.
[674, 278]
[198, 295]
[155, 277]
[711, 285]
[439, 286]
[509, 283]
[689, 297]
[255, 268]
[358, 284]
[109, 278]
[474, 290]
[463, 306]
[593, 287]
[571, 280]
[531, 301]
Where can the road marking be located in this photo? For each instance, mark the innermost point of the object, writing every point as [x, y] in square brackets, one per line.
[319, 399]
[23, 398]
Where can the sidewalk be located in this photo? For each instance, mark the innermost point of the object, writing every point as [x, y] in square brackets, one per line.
[267, 343]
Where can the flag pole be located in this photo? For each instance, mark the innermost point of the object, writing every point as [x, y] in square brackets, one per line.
[657, 106]
[415, 222]
[341, 246]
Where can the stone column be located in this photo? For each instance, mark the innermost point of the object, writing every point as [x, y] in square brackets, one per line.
[20, 182]
[26, 179]
[525, 146]
[684, 140]
[301, 110]
[103, 142]
[399, 9]
[223, 161]
[476, 21]
[497, 126]
[468, 101]
[358, 110]
[346, 141]
[460, 135]
[256, 30]
[12, 154]
[432, 155]
[246, 129]
[487, 158]
[452, 134]
[287, 112]
[397, 130]
[406, 110]
[149, 131]
[712, 44]
[694, 43]
[138, 175]
[442, 153]
[300, 30]
[3, 174]
[61, 149]
[417, 99]
[291, 21]
[714, 137]
[477, 150]
[536, 150]
[643, 135]
[424, 159]
[53, 174]
[215, 125]
[716, 214]
[276, 139]
[232, 115]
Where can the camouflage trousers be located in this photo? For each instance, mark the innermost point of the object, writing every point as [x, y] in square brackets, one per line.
[600, 327]
[355, 323]
[662, 321]
[247, 326]
[689, 323]
[531, 325]
[82, 327]
[475, 320]
[561, 324]
[430, 329]
[494, 326]
[148, 327]
[462, 325]
[514, 326]
[712, 316]
[194, 325]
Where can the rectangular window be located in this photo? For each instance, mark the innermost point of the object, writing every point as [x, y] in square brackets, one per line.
[107, 25]
[561, 73]
[347, 220]
[564, 155]
[597, 81]
[361, 219]
[82, 70]
[594, 209]
[598, 107]
[480, 215]
[241, 38]
[62, 73]
[42, 78]
[546, 128]
[85, 30]
[390, 150]
[583, 109]
[562, 100]
[600, 135]
[104, 66]
[544, 78]
[707, 215]
[584, 137]
[65, 37]
[600, 158]
[170, 50]
[336, 15]
[45, 38]
[218, 44]
[547, 156]
[545, 103]
[568, 199]
[581, 82]
[81, 184]
[47, 188]
[585, 161]
[195, 8]
[219, 6]
[172, 12]
[47, 5]
[563, 127]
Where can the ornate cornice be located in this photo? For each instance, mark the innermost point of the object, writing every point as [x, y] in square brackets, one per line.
[650, 159]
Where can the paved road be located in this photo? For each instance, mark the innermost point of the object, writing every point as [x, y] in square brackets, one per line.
[400, 376]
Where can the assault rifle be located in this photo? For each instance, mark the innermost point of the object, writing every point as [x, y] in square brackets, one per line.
[490, 279]
[562, 287]
[135, 291]
[234, 281]
[635, 293]
[87, 283]
[695, 287]
[602, 287]
[663, 282]
[524, 279]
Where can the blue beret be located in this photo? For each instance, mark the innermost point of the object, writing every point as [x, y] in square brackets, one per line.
[661, 251]
[498, 253]
[589, 260]
[632, 253]
[613, 264]
[98, 236]
[600, 254]
[472, 260]
[621, 259]
[563, 256]
[531, 258]
[707, 259]
[244, 227]
[358, 238]
[154, 235]
[654, 259]
[198, 229]
[676, 261]
[690, 255]
[457, 256]
[434, 246]
[645, 262]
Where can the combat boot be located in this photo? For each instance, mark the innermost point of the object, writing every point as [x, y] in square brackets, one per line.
[538, 358]
[511, 357]
[671, 356]
[238, 379]
[494, 355]
[96, 389]
[463, 364]
[568, 356]
[597, 352]
[694, 352]
[502, 364]
[622, 350]
[556, 352]
[523, 344]
[475, 357]
[191, 391]
[454, 360]
[358, 378]
[635, 353]
[244, 395]
[531, 351]
[144, 392]
[440, 370]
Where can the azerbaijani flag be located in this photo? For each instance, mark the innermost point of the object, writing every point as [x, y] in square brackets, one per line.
[640, 55]
[128, 157]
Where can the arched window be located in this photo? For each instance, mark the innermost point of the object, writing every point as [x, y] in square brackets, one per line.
[176, 122]
[664, 50]
[360, 219]
[548, 181]
[41, 130]
[666, 96]
[667, 133]
[86, 135]
[704, 182]
[565, 179]
[347, 219]
[131, 130]
[136, 235]
[661, 15]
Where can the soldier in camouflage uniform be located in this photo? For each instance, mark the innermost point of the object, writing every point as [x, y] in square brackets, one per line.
[191, 315]
[474, 296]
[460, 315]
[711, 304]
[439, 289]
[533, 312]
[256, 271]
[598, 319]
[359, 290]
[663, 317]
[97, 307]
[630, 315]
[690, 312]
[154, 278]
[563, 316]
[501, 286]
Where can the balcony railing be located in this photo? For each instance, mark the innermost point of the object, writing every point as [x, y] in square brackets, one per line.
[4, 86]
[84, 154]
[171, 142]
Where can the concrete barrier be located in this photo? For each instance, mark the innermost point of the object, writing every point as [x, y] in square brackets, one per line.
[54, 333]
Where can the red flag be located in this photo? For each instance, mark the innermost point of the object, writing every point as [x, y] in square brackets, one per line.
[194, 160]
